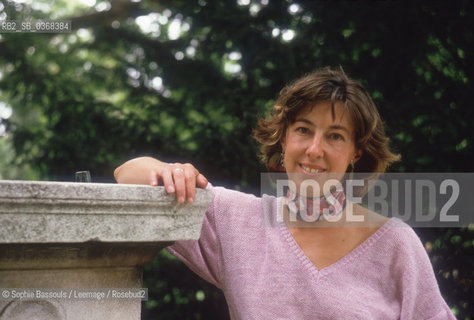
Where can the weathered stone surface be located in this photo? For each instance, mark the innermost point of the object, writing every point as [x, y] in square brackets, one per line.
[77, 255]
[85, 235]
[52, 212]
[38, 310]
[71, 309]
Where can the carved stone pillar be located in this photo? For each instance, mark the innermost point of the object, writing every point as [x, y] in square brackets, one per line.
[85, 236]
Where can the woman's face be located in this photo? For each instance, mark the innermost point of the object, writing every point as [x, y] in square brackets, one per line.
[317, 146]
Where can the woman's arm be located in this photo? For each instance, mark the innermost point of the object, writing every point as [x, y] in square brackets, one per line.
[138, 170]
[176, 177]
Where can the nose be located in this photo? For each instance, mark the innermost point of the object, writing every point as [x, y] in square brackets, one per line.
[316, 148]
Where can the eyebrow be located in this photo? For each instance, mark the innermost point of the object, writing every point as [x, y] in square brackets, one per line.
[333, 127]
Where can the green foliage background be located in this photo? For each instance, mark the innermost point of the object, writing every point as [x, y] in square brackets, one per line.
[110, 90]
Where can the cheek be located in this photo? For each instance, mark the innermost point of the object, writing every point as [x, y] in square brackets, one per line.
[289, 143]
[345, 149]
[343, 154]
[295, 146]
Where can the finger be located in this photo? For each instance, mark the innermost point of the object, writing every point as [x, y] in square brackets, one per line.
[179, 183]
[153, 178]
[201, 181]
[167, 177]
[190, 175]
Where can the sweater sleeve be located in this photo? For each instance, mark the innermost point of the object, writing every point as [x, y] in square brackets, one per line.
[421, 297]
[203, 256]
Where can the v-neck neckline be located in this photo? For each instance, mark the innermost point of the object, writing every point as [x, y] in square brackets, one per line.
[357, 251]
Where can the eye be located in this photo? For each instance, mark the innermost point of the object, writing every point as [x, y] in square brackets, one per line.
[336, 137]
[302, 130]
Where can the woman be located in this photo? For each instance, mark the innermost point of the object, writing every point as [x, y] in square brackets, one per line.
[322, 126]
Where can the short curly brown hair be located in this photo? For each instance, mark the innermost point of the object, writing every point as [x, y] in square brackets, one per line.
[334, 86]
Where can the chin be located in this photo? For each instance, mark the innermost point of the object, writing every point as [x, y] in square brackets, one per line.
[315, 185]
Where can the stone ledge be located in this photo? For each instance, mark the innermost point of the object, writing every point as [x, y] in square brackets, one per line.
[62, 212]
[78, 255]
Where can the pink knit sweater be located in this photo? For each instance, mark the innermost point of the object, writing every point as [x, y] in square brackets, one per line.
[264, 274]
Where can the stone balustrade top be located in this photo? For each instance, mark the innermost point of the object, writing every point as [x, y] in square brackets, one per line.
[67, 212]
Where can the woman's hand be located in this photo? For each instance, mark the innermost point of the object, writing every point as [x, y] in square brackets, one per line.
[178, 178]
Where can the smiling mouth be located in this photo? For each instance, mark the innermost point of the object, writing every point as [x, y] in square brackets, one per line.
[312, 170]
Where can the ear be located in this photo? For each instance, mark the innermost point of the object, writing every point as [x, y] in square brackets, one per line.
[357, 155]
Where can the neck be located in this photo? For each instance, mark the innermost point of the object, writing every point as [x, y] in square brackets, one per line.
[324, 208]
